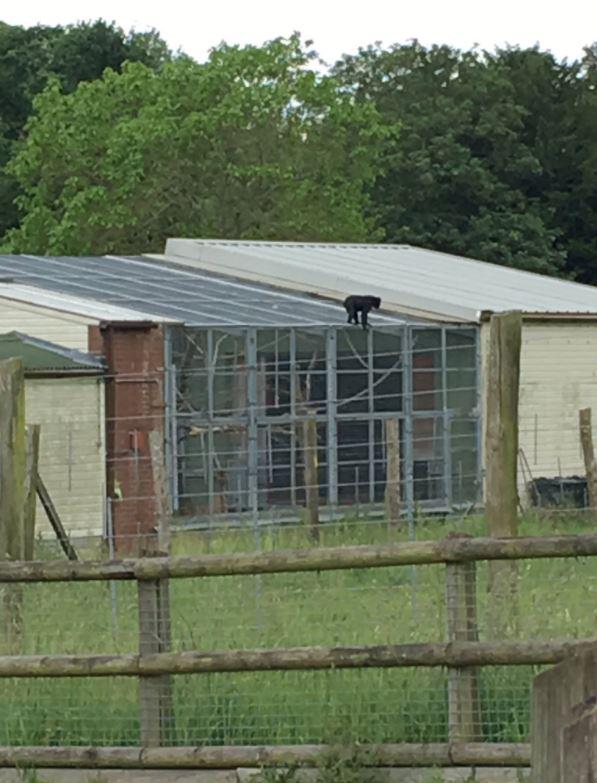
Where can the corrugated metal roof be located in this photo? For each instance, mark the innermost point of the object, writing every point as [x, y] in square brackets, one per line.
[67, 303]
[408, 279]
[151, 289]
[41, 356]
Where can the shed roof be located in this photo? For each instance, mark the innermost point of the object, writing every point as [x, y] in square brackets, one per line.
[408, 279]
[56, 299]
[145, 288]
[40, 357]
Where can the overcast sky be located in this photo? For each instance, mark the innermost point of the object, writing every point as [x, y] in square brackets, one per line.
[335, 26]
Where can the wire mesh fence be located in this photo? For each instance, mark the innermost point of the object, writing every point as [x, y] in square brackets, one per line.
[554, 599]
[235, 468]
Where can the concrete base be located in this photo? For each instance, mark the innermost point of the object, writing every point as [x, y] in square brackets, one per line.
[382, 775]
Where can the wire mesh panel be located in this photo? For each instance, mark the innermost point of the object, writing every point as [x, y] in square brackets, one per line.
[388, 605]
[351, 381]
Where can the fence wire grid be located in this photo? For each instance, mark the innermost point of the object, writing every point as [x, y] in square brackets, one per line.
[235, 471]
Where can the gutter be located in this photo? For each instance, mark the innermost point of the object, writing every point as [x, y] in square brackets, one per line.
[485, 315]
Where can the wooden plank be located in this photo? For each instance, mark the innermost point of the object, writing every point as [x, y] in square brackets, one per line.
[12, 457]
[235, 756]
[54, 519]
[30, 491]
[579, 746]
[392, 493]
[292, 659]
[303, 560]
[464, 714]
[555, 694]
[311, 477]
[13, 449]
[160, 487]
[155, 692]
[501, 460]
[156, 712]
[586, 440]
[501, 441]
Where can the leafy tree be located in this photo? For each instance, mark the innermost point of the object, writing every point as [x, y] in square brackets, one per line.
[83, 52]
[559, 104]
[29, 56]
[462, 178]
[252, 143]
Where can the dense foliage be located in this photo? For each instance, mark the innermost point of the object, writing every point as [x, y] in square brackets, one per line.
[29, 57]
[111, 144]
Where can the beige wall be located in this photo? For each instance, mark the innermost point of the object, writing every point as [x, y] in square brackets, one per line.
[72, 450]
[558, 376]
[64, 329]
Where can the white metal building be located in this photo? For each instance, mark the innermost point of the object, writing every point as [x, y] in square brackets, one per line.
[234, 370]
[559, 354]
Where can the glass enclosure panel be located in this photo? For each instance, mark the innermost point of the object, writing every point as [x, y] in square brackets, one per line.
[353, 392]
[321, 463]
[310, 372]
[353, 462]
[352, 347]
[464, 458]
[189, 355]
[428, 457]
[274, 366]
[427, 370]
[277, 477]
[229, 374]
[230, 468]
[193, 472]
[292, 378]
[461, 372]
[387, 371]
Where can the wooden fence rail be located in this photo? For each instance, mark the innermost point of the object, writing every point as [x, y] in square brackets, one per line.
[448, 550]
[232, 757]
[154, 663]
[508, 653]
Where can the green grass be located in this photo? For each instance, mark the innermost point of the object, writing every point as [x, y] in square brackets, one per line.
[386, 605]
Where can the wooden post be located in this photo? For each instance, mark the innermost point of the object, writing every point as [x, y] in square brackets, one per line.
[579, 746]
[392, 494]
[501, 439]
[13, 457]
[464, 714]
[30, 490]
[501, 459]
[311, 477]
[563, 711]
[54, 518]
[586, 439]
[160, 488]
[155, 692]
[156, 712]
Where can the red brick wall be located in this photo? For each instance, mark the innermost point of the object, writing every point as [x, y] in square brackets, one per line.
[134, 354]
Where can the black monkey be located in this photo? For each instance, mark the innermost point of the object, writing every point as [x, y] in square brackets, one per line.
[360, 304]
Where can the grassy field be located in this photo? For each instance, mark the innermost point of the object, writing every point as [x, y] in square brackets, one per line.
[389, 605]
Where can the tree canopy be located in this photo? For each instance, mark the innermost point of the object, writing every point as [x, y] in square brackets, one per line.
[30, 56]
[111, 144]
[251, 143]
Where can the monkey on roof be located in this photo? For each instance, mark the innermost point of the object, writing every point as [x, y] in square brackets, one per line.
[360, 304]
